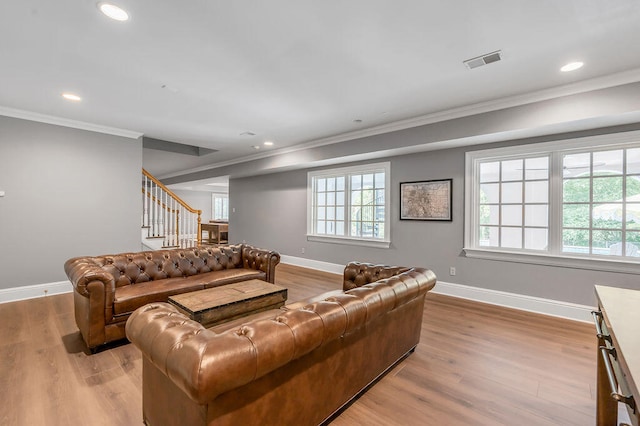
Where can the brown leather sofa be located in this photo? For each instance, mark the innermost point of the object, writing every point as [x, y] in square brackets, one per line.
[297, 365]
[109, 288]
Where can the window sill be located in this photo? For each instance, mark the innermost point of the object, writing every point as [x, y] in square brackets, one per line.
[349, 241]
[595, 264]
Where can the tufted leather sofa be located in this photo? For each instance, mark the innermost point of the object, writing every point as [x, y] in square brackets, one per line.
[109, 288]
[297, 365]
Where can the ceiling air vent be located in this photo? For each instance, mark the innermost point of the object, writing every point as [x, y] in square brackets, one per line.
[483, 60]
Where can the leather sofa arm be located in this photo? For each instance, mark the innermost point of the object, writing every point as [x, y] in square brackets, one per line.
[357, 274]
[261, 260]
[82, 272]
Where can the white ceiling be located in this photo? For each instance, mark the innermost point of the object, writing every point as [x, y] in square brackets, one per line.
[202, 72]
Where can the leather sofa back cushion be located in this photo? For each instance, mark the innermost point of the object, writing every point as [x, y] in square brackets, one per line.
[133, 268]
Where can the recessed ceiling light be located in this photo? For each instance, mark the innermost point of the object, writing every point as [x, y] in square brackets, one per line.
[114, 12]
[71, 97]
[268, 143]
[357, 121]
[571, 66]
[256, 147]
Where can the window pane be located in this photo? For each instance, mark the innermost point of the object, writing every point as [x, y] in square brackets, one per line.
[575, 215]
[490, 193]
[340, 213]
[536, 192]
[575, 241]
[604, 240]
[340, 183]
[367, 181]
[331, 213]
[356, 229]
[331, 228]
[535, 238]
[331, 184]
[633, 216]
[490, 172]
[607, 215]
[380, 196]
[367, 229]
[367, 197]
[367, 212]
[633, 188]
[331, 198]
[489, 214]
[321, 184]
[512, 192]
[356, 182]
[356, 214]
[512, 170]
[321, 200]
[488, 236]
[607, 189]
[380, 180]
[511, 237]
[576, 190]
[378, 230]
[320, 227]
[536, 168]
[379, 214]
[633, 160]
[512, 215]
[576, 165]
[356, 198]
[606, 163]
[340, 198]
[340, 228]
[321, 213]
[536, 215]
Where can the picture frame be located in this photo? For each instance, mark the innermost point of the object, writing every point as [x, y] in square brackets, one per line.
[426, 200]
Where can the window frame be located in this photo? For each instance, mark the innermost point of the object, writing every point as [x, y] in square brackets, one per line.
[556, 150]
[347, 172]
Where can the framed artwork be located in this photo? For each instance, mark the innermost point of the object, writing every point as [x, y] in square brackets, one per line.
[426, 200]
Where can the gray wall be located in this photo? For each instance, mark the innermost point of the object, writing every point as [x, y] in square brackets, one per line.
[69, 193]
[199, 200]
[270, 211]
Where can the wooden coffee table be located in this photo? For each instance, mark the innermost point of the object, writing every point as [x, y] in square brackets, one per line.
[225, 303]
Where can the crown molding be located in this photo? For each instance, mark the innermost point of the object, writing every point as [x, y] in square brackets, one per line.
[65, 122]
[598, 83]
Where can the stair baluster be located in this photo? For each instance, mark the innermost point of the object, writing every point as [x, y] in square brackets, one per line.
[166, 217]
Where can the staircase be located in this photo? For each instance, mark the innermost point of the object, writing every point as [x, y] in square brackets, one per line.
[167, 221]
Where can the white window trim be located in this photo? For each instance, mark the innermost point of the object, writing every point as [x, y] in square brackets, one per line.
[608, 141]
[339, 239]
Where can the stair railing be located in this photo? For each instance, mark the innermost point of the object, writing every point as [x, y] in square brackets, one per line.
[167, 217]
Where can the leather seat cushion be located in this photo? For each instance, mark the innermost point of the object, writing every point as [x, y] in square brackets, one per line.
[130, 297]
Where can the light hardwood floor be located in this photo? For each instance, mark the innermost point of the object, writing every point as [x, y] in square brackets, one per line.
[476, 364]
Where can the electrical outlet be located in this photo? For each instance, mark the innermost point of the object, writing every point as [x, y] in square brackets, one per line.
[302, 250]
[452, 270]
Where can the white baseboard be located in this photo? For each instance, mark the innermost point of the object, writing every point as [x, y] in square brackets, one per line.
[334, 268]
[555, 308]
[32, 291]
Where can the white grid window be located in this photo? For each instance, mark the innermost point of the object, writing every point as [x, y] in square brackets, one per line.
[350, 204]
[565, 203]
[514, 203]
[220, 204]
